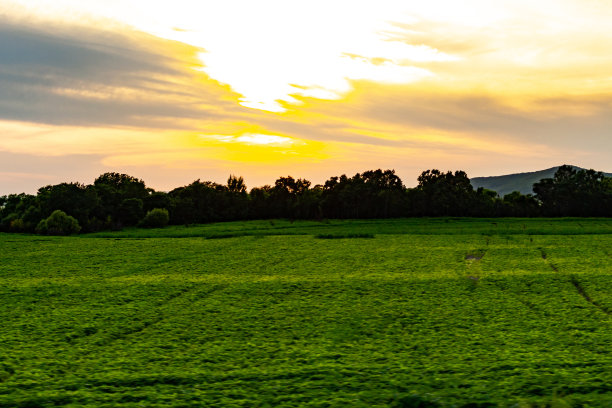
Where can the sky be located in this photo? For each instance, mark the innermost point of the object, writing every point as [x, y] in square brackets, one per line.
[174, 91]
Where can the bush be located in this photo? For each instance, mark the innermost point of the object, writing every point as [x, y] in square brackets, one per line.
[156, 218]
[58, 223]
[5, 223]
[17, 225]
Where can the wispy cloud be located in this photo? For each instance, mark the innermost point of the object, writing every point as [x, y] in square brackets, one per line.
[87, 76]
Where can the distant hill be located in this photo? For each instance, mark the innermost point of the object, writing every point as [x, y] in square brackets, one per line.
[522, 182]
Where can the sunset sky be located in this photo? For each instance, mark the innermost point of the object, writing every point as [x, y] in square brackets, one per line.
[173, 91]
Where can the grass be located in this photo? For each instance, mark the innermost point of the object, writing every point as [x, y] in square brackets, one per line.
[410, 226]
[343, 236]
[452, 312]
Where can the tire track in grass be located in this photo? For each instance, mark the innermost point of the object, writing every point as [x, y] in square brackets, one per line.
[139, 328]
[586, 296]
[529, 305]
[201, 294]
[577, 285]
[532, 307]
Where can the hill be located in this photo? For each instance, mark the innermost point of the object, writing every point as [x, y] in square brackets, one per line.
[522, 182]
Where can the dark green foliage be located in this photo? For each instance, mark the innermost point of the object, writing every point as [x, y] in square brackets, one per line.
[519, 205]
[13, 209]
[117, 200]
[258, 203]
[118, 194]
[372, 194]
[16, 224]
[521, 182]
[236, 184]
[58, 223]
[156, 218]
[121, 185]
[197, 203]
[32, 215]
[288, 198]
[574, 192]
[95, 224]
[131, 211]
[236, 199]
[444, 194]
[76, 200]
[157, 199]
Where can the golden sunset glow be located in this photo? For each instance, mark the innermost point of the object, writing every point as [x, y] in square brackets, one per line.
[199, 89]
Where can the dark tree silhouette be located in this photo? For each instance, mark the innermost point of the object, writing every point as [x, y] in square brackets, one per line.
[516, 204]
[116, 200]
[286, 197]
[574, 192]
[76, 200]
[440, 194]
[114, 189]
[196, 203]
[236, 184]
[371, 194]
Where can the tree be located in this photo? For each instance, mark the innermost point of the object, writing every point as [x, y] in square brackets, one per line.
[383, 194]
[113, 189]
[13, 209]
[236, 199]
[156, 218]
[371, 194]
[124, 184]
[198, 202]
[236, 184]
[58, 223]
[573, 192]
[131, 211]
[259, 202]
[157, 199]
[285, 195]
[445, 194]
[516, 204]
[75, 199]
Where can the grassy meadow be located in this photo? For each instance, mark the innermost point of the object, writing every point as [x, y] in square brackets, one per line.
[374, 313]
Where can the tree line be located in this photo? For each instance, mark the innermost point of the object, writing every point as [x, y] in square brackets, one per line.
[117, 200]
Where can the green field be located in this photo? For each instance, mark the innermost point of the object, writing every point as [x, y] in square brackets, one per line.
[401, 313]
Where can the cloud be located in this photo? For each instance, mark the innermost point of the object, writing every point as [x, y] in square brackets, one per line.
[381, 114]
[72, 75]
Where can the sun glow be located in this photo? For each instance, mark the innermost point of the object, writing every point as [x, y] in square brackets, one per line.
[258, 147]
[255, 139]
[274, 51]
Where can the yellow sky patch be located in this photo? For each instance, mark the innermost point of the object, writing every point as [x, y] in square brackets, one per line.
[264, 148]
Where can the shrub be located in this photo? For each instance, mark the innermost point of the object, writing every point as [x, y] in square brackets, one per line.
[17, 225]
[5, 223]
[156, 218]
[58, 223]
